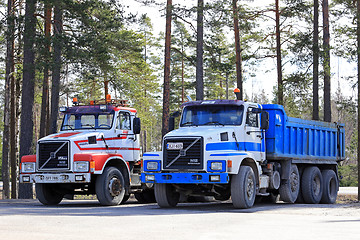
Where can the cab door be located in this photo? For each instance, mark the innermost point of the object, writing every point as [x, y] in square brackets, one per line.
[124, 140]
[253, 134]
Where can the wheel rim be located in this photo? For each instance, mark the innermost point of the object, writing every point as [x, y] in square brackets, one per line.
[115, 186]
[249, 187]
[294, 181]
[316, 185]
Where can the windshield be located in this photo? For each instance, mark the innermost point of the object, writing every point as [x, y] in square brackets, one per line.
[76, 121]
[212, 115]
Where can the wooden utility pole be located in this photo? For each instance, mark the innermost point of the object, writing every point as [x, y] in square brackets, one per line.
[326, 64]
[315, 113]
[238, 63]
[200, 51]
[166, 93]
[280, 93]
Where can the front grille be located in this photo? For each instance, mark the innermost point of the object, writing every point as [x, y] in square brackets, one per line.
[53, 156]
[189, 157]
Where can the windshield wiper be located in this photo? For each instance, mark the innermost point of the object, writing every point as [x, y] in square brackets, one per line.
[214, 123]
[67, 125]
[88, 125]
[187, 123]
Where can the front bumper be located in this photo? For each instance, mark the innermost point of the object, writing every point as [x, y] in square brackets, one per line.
[186, 178]
[55, 178]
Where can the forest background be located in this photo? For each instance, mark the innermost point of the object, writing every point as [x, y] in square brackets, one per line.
[52, 51]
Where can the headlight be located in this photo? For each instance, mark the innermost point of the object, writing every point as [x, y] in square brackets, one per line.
[216, 166]
[28, 167]
[81, 166]
[149, 178]
[152, 165]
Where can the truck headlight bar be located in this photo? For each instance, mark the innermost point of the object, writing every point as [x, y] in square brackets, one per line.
[28, 167]
[151, 165]
[216, 166]
[81, 166]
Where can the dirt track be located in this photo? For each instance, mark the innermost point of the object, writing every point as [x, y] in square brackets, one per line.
[86, 219]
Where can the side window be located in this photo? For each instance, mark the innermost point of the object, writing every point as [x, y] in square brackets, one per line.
[252, 118]
[124, 121]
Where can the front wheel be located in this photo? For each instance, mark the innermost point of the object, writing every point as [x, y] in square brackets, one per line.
[165, 195]
[110, 187]
[243, 188]
[48, 194]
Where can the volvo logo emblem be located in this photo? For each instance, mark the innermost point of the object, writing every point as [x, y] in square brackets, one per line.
[52, 155]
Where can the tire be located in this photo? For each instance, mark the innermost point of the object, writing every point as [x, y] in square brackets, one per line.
[47, 194]
[166, 196]
[243, 188]
[110, 187]
[146, 196]
[312, 185]
[330, 187]
[289, 190]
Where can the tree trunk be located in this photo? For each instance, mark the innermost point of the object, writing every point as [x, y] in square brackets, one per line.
[358, 81]
[280, 93]
[327, 90]
[13, 159]
[45, 91]
[238, 62]
[166, 93]
[27, 102]
[9, 79]
[315, 115]
[57, 66]
[200, 51]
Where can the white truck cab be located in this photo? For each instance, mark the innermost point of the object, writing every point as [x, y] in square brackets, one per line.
[96, 151]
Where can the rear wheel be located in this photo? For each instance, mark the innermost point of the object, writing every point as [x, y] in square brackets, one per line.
[330, 187]
[48, 194]
[243, 188]
[289, 190]
[110, 187]
[311, 185]
[166, 196]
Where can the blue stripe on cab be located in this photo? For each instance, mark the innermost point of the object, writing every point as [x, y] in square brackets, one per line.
[240, 146]
[227, 154]
[150, 155]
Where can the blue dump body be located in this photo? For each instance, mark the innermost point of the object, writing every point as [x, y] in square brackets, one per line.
[298, 139]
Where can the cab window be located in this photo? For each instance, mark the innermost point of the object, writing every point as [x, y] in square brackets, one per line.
[124, 121]
[252, 118]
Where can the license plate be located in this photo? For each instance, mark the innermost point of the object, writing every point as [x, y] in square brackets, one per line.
[174, 146]
[45, 178]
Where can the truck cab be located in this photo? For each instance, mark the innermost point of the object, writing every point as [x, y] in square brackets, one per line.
[221, 149]
[97, 151]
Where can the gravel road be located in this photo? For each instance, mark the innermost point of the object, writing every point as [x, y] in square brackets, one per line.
[86, 219]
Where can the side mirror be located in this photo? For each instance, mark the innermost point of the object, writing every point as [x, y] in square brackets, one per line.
[172, 120]
[137, 125]
[264, 120]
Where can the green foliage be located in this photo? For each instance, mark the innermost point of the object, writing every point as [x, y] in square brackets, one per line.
[298, 95]
[348, 175]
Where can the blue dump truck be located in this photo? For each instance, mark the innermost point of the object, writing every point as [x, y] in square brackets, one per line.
[243, 150]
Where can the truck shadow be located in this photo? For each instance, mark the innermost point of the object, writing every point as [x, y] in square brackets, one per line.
[132, 208]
